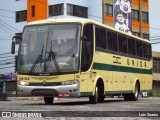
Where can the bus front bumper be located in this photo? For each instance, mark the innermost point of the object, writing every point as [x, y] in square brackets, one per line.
[54, 91]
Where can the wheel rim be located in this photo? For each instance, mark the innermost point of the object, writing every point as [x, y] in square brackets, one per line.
[96, 93]
[136, 91]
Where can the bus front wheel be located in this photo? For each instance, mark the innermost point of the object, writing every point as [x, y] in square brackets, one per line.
[94, 99]
[48, 100]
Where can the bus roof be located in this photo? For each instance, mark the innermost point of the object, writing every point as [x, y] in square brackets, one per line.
[82, 21]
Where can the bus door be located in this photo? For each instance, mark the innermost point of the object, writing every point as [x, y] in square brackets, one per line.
[87, 49]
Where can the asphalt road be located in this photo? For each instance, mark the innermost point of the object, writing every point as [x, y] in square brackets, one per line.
[80, 108]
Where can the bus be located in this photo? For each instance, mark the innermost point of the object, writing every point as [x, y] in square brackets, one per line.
[74, 57]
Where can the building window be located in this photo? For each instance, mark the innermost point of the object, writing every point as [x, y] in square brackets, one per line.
[21, 16]
[146, 36]
[55, 10]
[109, 10]
[136, 34]
[33, 11]
[75, 10]
[156, 66]
[135, 15]
[145, 17]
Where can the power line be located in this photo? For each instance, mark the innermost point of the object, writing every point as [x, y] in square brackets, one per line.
[10, 25]
[7, 63]
[155, 43]
[7, 59]
[7, 27]
[7, 53]
[5, 39]
[7, 67]
[155, 39]
[5, 31]
[7, 16]
[7, 56]
[7, 10]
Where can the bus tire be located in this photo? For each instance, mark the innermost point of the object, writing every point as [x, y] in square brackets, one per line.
[94, 99]
[48, 100]
[133, 96]
[101, 98]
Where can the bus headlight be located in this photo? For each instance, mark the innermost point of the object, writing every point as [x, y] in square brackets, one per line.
[23, 83]
[70, 82]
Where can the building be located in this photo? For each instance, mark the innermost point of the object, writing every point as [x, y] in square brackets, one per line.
[156, 73]
[15, 14]
[140, 16]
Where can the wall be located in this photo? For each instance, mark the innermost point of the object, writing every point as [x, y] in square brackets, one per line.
[7, 15]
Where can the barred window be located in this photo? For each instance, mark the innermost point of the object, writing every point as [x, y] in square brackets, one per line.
[109, 10]
[76, 10]
[135, 15]
[156, 66]
[21, 16]
[145, 17]
[55, 10]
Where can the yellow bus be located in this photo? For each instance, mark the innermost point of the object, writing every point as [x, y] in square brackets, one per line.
[81, 58]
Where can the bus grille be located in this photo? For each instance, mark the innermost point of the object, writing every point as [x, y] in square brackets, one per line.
[44, 92]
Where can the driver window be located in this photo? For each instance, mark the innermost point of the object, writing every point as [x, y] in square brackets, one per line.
[87, 51]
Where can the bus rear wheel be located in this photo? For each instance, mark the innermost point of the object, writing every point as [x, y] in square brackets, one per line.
[133, 96]
[48, 100]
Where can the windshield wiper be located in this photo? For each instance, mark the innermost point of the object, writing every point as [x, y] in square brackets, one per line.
[52, 55]
[38, 60]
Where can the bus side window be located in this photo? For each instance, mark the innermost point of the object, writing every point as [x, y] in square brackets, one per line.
[149, 51]
[145, 50]
[98, 37]
[104, 39]
[114, 37]
[141, 49]
[120, 41]
[133, 47]
[138, 48]
[130, 46]
[124, 44]
[110, 40]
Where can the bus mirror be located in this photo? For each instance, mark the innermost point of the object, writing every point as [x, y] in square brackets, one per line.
[13, 47]
[15, 40]
[18, 39]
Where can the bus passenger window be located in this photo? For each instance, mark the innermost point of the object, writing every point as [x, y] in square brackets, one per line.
[130, 46]
[110, 40]
[98, 37]
[149, 51]
[124, 44]
[115, 46]
[104, 39]
[133, 47]
[141, 49]
[145, 50]
[120, 41]
[138, 48]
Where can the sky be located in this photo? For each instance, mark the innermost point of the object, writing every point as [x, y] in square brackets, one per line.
[154, 20]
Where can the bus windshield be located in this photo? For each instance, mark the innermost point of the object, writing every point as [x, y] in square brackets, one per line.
[49, 49]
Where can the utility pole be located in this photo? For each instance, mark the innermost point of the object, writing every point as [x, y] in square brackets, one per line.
[140, 17]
